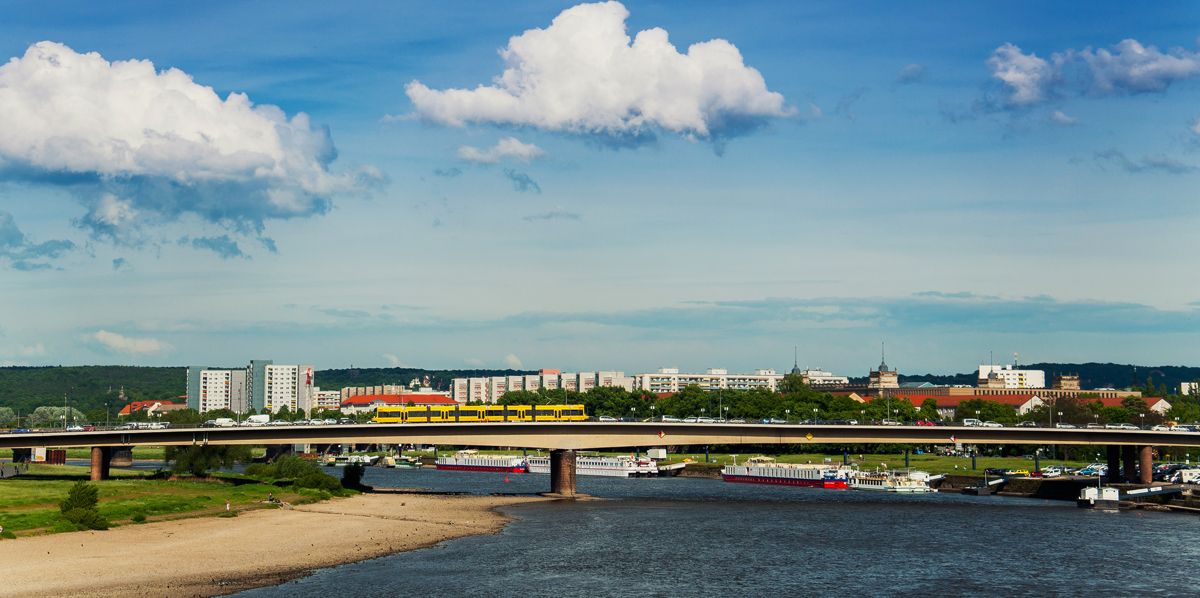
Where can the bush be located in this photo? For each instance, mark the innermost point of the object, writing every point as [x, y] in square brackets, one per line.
[8, 535]
[139, 518]
[62, 525]
[352, 475]
[86, 519]
[228, 514]
[81, 496]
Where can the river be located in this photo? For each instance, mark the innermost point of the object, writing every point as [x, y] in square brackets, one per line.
[684, 537]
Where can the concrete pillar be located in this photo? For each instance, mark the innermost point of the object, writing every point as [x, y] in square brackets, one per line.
[1129, 459]
[562, 472]
[121, 456]
[101, 460]
[1114, 463]
[1146, 459]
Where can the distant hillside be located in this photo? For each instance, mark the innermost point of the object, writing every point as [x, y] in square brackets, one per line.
[1091, 375]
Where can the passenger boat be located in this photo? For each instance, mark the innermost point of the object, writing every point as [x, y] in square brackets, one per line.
[594, 465]
[471, 461]
[401, 462]
[764, 470]
[893, 480]
[344, 460]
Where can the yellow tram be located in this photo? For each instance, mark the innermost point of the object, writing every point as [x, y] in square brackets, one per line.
[425, 414]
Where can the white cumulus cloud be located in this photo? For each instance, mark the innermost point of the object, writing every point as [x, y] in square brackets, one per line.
[1027, 78]
[584, 75]
[138, 146]
[1057, 117]
[393, 361]
[132, 346]
[32, 351]
[512, 361]
[509, 147]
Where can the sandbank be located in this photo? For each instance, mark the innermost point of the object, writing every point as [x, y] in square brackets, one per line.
[212, 556]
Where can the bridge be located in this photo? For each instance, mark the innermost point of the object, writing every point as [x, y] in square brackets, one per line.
[564, 438]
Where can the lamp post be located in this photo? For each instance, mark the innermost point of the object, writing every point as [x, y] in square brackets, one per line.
[725, 412]
[814, 413]
[1143, 416]
[652, 413]
[633, 413]
[864, 414]
[789, 415]
[106, 424]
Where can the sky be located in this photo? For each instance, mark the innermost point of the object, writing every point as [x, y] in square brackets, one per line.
[600, 186]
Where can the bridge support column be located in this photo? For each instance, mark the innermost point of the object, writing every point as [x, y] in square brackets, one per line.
[120, 456]
[101, 460]
[1129, 459]
[1114, 463]
[1146, 464]
[562, 472]
[22, 455]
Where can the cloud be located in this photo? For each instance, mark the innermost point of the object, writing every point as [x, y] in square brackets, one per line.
[449, 173]
[512, 362]
[121, 265]
[1147, 163]
[393, 361]
[1127, 68]
[521, 181]
[33, 351]
[132, 346]
[473, 362]
[558, 213]
[343, 313]
[138, 148]
[223, 246]
[24, 254]
[1027, 79]
[844, 103]
[913, 73]
[508, 147]
[1058, 118]
[582, 75]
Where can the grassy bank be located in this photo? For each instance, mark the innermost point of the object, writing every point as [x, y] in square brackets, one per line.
[29, 502]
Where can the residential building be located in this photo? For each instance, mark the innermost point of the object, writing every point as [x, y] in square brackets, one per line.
[489, 390]
[151, 408]
[326, 399]
[357, 391]
[209, 389]
[615, 379]
[670, 380]
[1187, 388]
[996, 376]
[818, 377]
[288, 386]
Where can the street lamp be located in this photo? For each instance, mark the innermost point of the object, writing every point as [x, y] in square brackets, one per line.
[814, 413]
[1143, 416]
[633, 411]
[789, 415]
[726, 415]
[652, 413]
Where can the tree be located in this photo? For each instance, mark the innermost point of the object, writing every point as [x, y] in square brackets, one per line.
[53, 416]
[8, 418]
[988, 411]
[183, 417]
[793, 384]
[79, 507]
[928, 409]
[198, 459]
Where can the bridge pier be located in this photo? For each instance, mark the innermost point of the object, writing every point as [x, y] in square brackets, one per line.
[101, 462]
[562, 472]
[1129, 459]
[1114, 463]
[1146, 464]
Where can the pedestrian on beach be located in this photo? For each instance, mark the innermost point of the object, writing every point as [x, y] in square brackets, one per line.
[226, 505]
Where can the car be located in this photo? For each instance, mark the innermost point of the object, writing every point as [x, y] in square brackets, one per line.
[1095, 427]
[1052, 471]
[607, 418]
[737, 420]
[925, 422]
[890, 422]
[690, 420]
[133, 426]
[346, 420]
[1112, 426]
[971, 422]
[1029, 424]
[1129, 427]
[1160, 428]
[1021, 472]
[774, 420]
[329, 421]
[994, 471]
[74, 428]
[705, 420]
[992, 424]
[1179, 428]
[671, 419]
[1064, 426]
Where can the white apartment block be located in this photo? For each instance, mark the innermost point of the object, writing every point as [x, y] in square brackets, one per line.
[669, 380]
[1013, 378]
[489, 390]
[1187, 388]
[288, 386]
[222, 389]
[819, 377]
[326, 399]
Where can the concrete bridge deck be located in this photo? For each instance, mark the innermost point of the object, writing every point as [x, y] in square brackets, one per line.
[597, 435]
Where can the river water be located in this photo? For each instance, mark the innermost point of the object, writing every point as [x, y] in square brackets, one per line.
[684, 537]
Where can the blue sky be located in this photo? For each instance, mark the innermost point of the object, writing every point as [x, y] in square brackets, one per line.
[953, 179]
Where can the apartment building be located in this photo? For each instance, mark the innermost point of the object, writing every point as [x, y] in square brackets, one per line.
[489, 390]
[1005, 376]
[209, 389]
[670, 380]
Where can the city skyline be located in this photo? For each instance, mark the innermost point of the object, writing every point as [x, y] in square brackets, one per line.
[611, 186]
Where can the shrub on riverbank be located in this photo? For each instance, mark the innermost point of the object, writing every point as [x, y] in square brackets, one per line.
[303, 474]
[79, 507]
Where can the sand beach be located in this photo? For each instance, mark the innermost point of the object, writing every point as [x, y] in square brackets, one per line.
[211, 556]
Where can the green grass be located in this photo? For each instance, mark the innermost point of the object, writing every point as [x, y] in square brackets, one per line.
[30, 501]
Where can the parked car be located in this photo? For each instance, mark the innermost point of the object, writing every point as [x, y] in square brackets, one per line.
[1095, 427]
[671, 419]
[1129, 427]
[690, 420]
[1052, 471]
[607, 418]
[705, 420]
[992, 424]
[737, 420]
[1064, 425]
[925, 422]
[890, 422]
[1160, 428]
[994, 471]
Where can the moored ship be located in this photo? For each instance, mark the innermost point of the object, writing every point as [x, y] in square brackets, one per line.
[614, 467]
[472, 461]
[891, 480]
[764, 470]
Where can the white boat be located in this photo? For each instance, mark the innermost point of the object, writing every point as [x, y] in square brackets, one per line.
[344, 460]
[764, 470]
[613, 467]
[470, 460]
[890, 480]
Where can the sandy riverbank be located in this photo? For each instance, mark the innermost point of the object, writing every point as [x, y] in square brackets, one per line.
[212, 556]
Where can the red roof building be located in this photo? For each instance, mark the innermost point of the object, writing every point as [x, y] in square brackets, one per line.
[150, 406]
